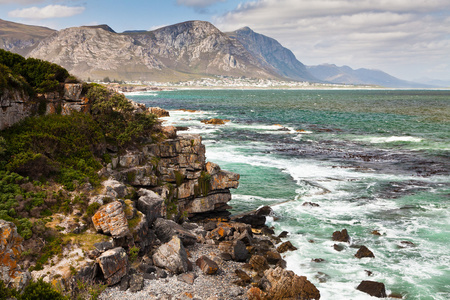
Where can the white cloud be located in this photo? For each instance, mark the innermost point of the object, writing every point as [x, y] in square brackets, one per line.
[392, 35]
[47, 12]
[198, 3]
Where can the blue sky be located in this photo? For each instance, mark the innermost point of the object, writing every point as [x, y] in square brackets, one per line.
[409, 39]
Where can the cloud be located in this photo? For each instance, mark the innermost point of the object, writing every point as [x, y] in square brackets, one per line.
[47, 12]
[382, 34]
[198, 3]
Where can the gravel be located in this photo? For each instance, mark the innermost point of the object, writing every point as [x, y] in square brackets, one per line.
[205, 287]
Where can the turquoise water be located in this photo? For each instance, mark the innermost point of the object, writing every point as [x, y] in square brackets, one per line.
[373, 160]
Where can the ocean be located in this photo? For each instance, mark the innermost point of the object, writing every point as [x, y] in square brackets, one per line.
[375, 162]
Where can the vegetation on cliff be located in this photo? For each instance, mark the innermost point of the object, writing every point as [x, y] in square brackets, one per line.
[30, 74]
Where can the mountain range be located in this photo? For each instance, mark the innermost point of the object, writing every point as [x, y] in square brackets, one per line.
[179, 52]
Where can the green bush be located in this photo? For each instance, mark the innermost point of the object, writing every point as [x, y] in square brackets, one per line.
[40, 290]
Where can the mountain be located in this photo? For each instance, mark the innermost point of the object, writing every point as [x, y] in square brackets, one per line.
[272, 54]
[20, 38]
[178, 52]
[346, 75]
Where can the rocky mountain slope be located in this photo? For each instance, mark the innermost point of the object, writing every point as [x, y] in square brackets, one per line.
[178, 52]
[347, 75]
[272, 54]
[20, 38]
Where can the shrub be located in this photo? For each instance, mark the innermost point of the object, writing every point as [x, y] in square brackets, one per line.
[40, 290]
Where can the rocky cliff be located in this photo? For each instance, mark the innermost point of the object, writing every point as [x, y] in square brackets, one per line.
[178, 52]
[272, 54]
[16, 105]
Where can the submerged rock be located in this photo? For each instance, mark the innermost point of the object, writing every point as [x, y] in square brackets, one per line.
[341, 236]
[364, 252]
[372, 288]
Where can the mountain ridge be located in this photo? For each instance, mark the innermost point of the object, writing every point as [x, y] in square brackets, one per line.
[180, 52]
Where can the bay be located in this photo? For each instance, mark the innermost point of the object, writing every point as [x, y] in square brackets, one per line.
[373, 160]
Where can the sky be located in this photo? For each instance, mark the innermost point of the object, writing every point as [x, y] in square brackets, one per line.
[409, 39]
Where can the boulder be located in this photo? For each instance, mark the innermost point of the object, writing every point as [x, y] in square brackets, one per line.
[259, 263]
[150, 204]
[264, 211]
[240, 252]
[215, 121]
[256, 293]
[136, 283]
[159, 112]
[169, 131]
[114, 188]
[364, 252]
[286, 246]
[254, 220]
[284, 284]
[372, 288]
[10, 249]
[188, 278]
[111, 219]
[341, 236]
[172, 256]
[244, 277]
[221, 232]
[208, 266]
[166, 229]
[272, 257]
[114, 265]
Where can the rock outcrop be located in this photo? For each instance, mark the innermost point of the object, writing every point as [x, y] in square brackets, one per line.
[16, 105]
[10, 249]
[111, 219]
[172, 256]
[372, 288]
[114, 265]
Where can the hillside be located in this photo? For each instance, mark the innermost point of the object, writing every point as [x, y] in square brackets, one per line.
[346, 75]
[272, 54]
[20, 38]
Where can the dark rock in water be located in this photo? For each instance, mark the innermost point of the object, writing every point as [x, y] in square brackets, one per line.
[264, 211]
[364, 252]
[396, 296]
[256, 221]
[318, 260]
[208, 266]
[322, 277]
[372, 288]
[124, 283]
[405, 244]
[188, 278]
[310, 204]
[267, 231]
[210, 226]
[283, 234]
[114, 265]
[166, 229]
[341, 236]
[376, 232]
[369, 273]
[136, 283]
[272, 257]
[286, 246]
[338, 247]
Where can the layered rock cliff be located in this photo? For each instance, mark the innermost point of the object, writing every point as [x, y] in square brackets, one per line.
[16, 105]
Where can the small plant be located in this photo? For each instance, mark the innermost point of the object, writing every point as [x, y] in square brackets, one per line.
[179, 178]
[204, 183]
[133, 253]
